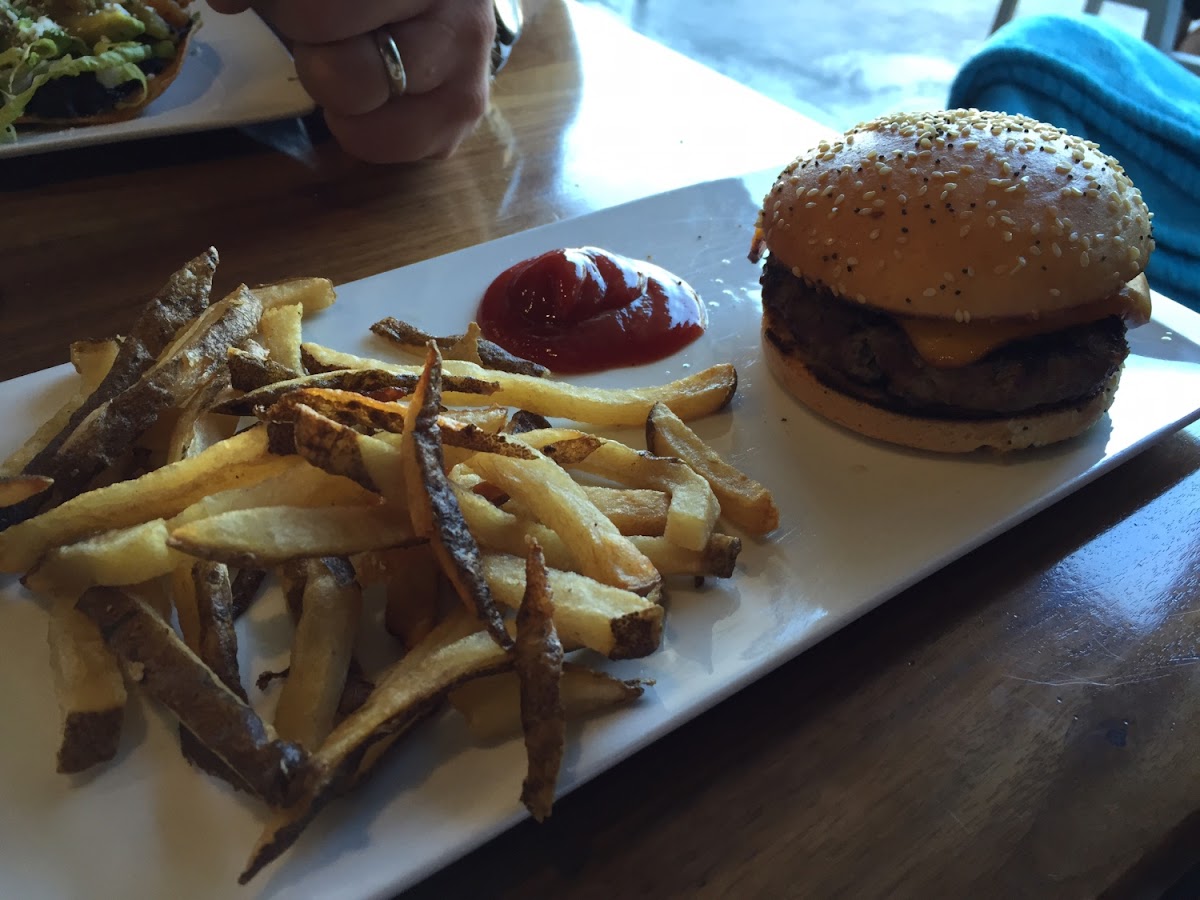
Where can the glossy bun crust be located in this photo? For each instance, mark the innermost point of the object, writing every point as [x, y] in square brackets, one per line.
[959, 214]
[1019, 432]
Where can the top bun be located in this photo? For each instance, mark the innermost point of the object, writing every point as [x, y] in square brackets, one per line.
[959, 214]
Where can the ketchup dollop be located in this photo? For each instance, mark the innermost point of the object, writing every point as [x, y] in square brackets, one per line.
[586, 310]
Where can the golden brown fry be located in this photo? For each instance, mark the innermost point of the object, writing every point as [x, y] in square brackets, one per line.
[322, 647]
[491, 706]
[616, 623]
[252, 370]
[314, 294]
[124, 556]
[239, 461]
[405, 693]
[717, 559]
[94, 358]
[299, 484]
[279, 334]
[340, 450]
[270, 535]
[182, 369]
[559, 502]
[690, 398]
[538, 661]
[352, 410]
[433, 505]
[16, 489]
[633, 510]
[470, 346]
[693, 509]
[171, 673]
[743, 500]
[89, 687]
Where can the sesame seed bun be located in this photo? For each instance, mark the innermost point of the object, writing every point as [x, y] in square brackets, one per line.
[1021, 432]
[959, 214]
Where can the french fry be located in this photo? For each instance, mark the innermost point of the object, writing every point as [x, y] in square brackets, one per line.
[267, 536]
[165, 492]
[538, 662]
[491, 706]
[279, 334]
[471, 346]
[16, 489]
[171, 673]
[633, 510]
[743, 500]
[340, 450]
[184, 367]
[124, 556]
[322, 647]
[314, 294]
[244, 590]
[433, 505]
[559, 502]
[358, 381]
[183, 296]
[251, 369]
[93, 359]
[404, 694]
[89, 686]
[299, 484]
[523, 420]
[356, 411]
[693, 509]
[716, 560]
[696, 395]
[616, 623]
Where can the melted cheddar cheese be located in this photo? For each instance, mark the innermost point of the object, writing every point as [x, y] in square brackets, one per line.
[946, 344]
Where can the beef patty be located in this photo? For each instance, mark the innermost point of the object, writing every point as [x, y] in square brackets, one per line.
[866, 354]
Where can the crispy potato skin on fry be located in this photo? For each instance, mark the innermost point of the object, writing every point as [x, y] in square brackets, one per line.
[183, 297]
[171, 673]
[452, 540]
[538, 659]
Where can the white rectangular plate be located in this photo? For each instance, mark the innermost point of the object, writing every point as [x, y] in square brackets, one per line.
[861, 521]
[236, 73]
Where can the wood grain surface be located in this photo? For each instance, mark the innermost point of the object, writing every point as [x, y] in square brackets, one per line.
[1022, 724]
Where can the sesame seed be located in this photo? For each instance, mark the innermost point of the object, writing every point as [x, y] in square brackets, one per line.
[1007, 235]
[874, 234]
[1057, 249]
[838, 200]
[1084, 259]
[964, 231]
[958, 315]
[812, 192]
[869, 195]
[1054, 292]
[809, 205]
[930, 292]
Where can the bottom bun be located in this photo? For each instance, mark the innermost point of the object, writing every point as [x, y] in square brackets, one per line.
[940, 435]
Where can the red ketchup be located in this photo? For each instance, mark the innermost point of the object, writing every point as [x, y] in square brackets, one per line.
[586, 310]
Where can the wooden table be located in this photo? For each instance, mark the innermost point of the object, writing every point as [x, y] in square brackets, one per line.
[1022, 724]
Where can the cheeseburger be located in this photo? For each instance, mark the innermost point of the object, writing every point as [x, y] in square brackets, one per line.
[954, 280]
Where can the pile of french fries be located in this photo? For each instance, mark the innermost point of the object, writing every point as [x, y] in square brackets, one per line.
[211, 449]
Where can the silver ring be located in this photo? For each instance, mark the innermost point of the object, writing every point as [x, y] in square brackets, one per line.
[393, 65]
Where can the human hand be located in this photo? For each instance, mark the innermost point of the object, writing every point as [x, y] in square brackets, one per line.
[446, 49]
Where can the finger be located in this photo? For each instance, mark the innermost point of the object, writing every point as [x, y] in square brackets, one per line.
[229, 7]
[348, 77]
[327, 21]
[414, 127]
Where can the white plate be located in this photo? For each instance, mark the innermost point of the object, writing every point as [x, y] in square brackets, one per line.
[861, 521]
[236, 73]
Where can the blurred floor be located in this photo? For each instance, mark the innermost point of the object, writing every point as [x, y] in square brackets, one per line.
[842, 62]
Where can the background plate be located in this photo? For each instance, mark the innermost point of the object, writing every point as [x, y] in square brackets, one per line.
[861, 521]
[236, 73]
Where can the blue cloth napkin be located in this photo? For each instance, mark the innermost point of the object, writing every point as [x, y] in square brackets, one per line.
[1140, 106]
